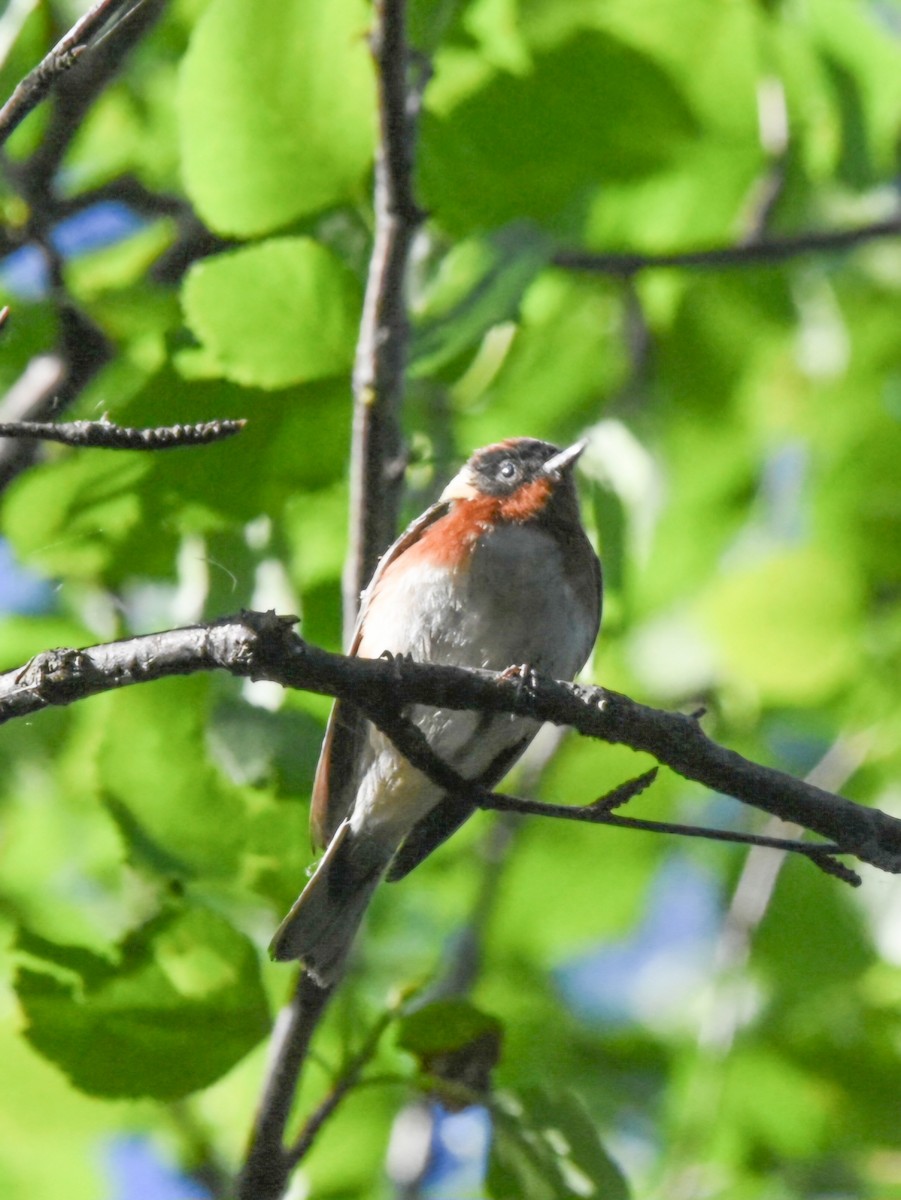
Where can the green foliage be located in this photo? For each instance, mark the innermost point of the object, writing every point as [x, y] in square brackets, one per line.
[546, 1146]
[305, 94]
[180, 974]
[282, 312]
[742, 481]
[536, 145]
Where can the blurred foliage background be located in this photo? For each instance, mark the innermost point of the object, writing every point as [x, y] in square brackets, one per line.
[724, 1023]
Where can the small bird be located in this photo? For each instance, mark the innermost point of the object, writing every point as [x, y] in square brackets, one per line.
[498, 572]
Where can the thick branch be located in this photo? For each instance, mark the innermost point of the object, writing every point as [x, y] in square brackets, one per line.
[377, 456]
[262, 646]
[766, 252]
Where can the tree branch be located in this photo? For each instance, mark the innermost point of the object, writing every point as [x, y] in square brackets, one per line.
[377, 455]
[64, 55]
[268, 1162]
[767, 252]
[262, 646]
[107, 436]
[410, 740]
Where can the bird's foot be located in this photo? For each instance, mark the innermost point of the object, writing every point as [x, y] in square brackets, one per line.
[398, 661]
[526, 676]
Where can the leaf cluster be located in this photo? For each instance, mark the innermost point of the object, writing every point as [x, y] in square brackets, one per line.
[742, 484]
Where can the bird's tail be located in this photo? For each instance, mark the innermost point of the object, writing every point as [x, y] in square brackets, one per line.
[320, 928]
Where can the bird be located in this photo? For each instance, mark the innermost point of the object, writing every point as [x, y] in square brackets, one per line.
[499, 572]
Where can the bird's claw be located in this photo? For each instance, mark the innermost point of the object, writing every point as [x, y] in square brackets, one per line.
[525, 675]
[398, 661]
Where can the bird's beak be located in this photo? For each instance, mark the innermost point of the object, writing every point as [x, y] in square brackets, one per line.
[564, 461]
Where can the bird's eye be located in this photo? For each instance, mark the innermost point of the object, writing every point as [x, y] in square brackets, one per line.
[507, 470]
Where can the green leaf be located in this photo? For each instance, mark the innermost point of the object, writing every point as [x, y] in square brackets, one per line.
[182, 815]
[282, 312]
[479, 284]
[183, 1004]
[444, 1025]
[562, 917]
[276, 111]
[565, 346]
[71, 517]
[590, 111]
[786, 623]
[545, 1147]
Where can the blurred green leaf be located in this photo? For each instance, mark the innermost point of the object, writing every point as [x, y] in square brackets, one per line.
[72, 518]
[590, 111]
[786, 625]
[154, 764]
[479, 283]
[564, 346]
[545, 1147]
[183, 1005]
[444, 1025]
[285, 131]
[281, 312]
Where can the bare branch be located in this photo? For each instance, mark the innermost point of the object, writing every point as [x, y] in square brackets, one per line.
[767, 252]
[268, 1163]
[410, 740]
[67, 51]
[262, 646]
[107, 436]
[377, 454]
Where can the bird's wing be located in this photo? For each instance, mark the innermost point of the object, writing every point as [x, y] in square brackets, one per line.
[448, 815]
[336, 782]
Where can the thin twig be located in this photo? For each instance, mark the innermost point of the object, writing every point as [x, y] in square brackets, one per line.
[124, 189]
[37, 83]
[107, 436]
[200, 1157]
[377, 453]
[348, 1079]
[410, 740]
[770, 251]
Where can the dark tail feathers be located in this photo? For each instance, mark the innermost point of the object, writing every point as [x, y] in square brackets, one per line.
[320, 928]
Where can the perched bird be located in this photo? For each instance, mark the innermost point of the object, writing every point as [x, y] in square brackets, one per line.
[498, 572]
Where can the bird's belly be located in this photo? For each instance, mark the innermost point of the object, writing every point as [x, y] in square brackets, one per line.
[509, 605]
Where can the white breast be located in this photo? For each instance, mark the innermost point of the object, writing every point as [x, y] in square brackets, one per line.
[509, 605]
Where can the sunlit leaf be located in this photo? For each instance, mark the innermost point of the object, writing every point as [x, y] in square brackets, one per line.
[183, 1004]
[287, 130]
[282, 312]
[591, 110]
